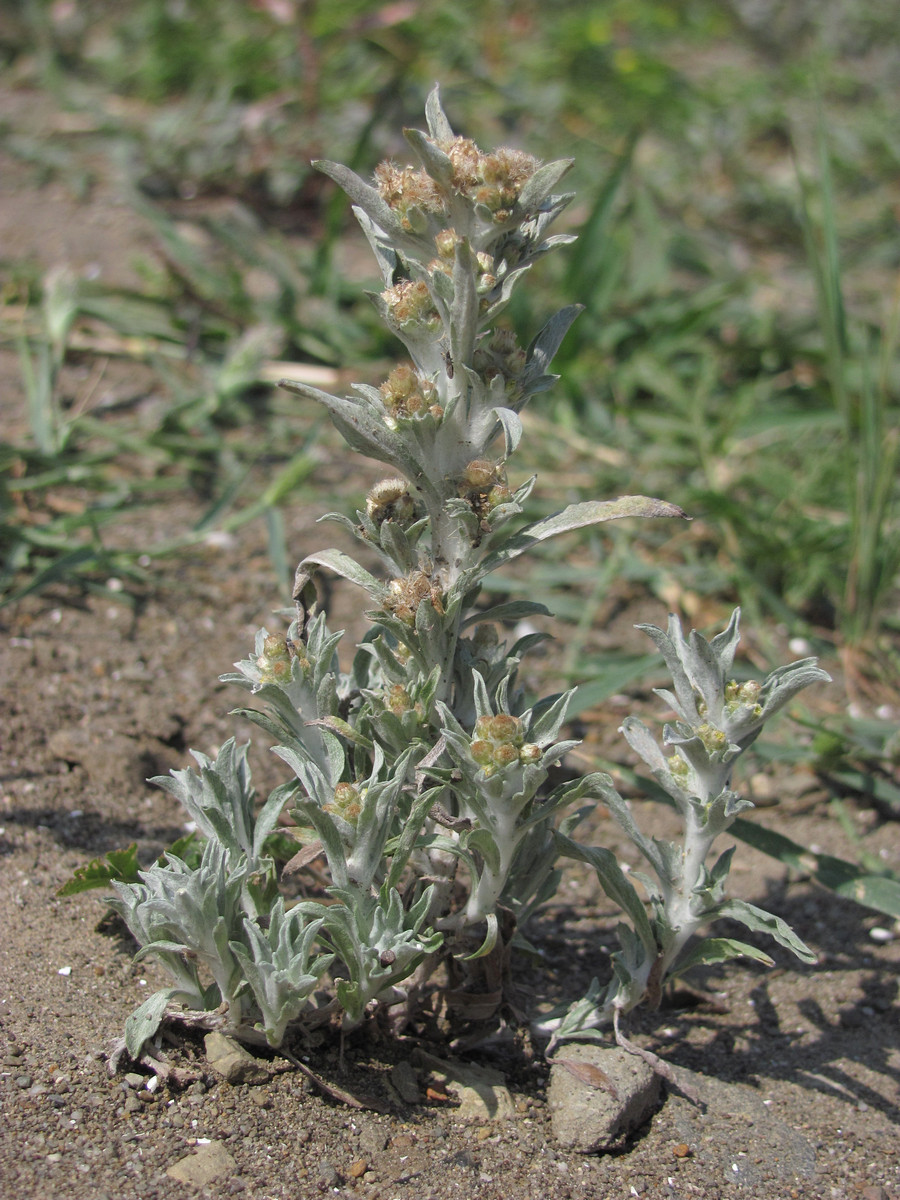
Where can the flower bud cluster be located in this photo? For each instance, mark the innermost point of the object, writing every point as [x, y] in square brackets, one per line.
[406, 395]
[406, 594]
[742, 700]
[483, 486]
[274, 663]
[409, 304]
[390, 500]
[501, 355]
[398, 701]
[347, 803]
[499, 742]
[405, 188]
[446, 241]
[493, 180]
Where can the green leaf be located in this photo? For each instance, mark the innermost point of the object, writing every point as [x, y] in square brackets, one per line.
[483, 841]
[617, 887]
[512, 610]
[578, 516]
[542, 182]
[144, 1021]
[880, 892]
[119, 865]
[616, 673]
[490, 939]
[436, 163]
[345, 566]
[369, 199]
[763, 922]
[438, 125]
[716, 950]
[543, 349]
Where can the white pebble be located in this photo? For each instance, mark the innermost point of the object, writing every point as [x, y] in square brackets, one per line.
[879, 934]
[64, 971]
[799, 645]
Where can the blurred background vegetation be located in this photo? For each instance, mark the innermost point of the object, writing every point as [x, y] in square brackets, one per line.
[737, 206]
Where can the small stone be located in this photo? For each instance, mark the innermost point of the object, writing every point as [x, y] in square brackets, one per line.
[230, 1060]
[327, 1175]
[404, 1079]
[23, 1081]
[132, 1103]
[357, 1169]
[211, 1162]
[482, 1091]
[682, 1150]
[597, 1094]
[879, 934]
[372, 1138]
[133, 1080]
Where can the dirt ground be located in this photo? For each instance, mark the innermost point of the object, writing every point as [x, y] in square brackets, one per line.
[96, 697]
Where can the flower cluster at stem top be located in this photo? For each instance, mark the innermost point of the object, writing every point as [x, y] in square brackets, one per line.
[493, 180]
[499, 741]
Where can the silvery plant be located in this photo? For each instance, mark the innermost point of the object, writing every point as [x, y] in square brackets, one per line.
[421, 780]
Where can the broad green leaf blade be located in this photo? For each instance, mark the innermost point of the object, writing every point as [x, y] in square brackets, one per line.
[511, 610]
[880, 892]
[616, 673]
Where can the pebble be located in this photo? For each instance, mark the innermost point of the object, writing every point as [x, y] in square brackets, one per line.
[404, 1079]
[327, 1175]
[357, 1169]
[879, 934]
[210, 1163]
[23, 1081]
[229, 1059]
[482, 1091]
